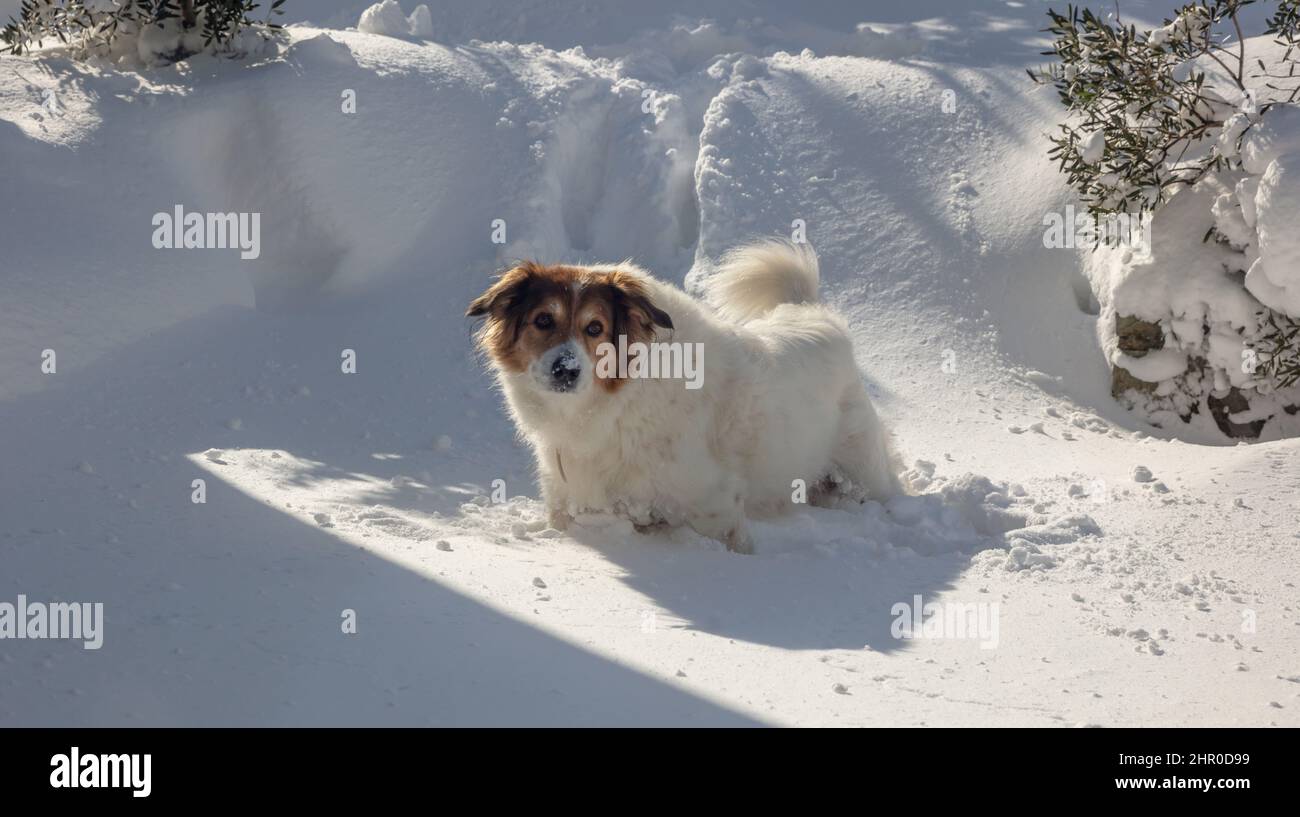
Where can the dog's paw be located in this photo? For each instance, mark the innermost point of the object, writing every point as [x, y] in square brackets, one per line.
[836, 491]
[738, 540]
[728, 528]
[559, 519]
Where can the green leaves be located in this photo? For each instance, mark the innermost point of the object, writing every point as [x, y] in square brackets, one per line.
[1144, 119]
[1280, 352]
[70, 21]
[1129, 86]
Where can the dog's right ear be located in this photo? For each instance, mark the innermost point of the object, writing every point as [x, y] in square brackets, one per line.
[510, 289]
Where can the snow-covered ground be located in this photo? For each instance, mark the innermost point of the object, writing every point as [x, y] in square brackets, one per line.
[1135, 579]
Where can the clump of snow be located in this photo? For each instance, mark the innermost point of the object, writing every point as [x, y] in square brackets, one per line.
[1274, 278]
[421, 22]
[386, 18]
[1162, 364]
[1276, 134]
[322, 48]
[1092, 148]
[1230, 137]
[748, 67]
[1190, 26]
[919, 476]
[1230, 219]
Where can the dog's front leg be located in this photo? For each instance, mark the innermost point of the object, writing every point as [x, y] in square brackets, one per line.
[555, 495]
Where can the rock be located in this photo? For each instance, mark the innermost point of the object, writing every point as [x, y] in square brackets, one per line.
[1136, 338]
[1234, 403]
[1121, 381]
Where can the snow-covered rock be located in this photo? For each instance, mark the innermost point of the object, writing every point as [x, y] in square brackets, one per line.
[1211, 299]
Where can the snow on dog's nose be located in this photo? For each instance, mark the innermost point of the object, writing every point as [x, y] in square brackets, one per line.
[565, 370]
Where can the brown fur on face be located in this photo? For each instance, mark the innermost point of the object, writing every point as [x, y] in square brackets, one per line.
[532, 308]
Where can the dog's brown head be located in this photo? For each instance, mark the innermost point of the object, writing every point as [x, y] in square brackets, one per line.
[551, 320]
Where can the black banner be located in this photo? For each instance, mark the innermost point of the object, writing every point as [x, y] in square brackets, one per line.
[218, 766]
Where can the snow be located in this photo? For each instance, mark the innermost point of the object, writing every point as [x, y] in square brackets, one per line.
[421, 22]
[399, 493]
[384, 17]
[1162, 364]
[1276, 134]
[1092, 148]
[387, 18]
[1274, 278]
[1257, 215]
[1207, 297]
[1223, 254]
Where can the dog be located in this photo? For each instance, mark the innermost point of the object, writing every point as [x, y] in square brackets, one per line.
[777, 402]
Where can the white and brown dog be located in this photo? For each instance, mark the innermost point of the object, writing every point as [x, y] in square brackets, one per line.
[778, 398]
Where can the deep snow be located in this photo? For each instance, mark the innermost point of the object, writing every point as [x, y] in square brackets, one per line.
[1138, 579]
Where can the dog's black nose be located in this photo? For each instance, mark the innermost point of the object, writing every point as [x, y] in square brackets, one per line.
[565, 371]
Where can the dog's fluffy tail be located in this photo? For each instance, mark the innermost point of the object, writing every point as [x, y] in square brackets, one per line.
[752, 280]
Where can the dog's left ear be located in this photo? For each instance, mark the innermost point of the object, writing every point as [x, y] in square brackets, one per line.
[634, 304]
[508, 291]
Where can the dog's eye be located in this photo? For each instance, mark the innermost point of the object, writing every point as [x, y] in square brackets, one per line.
[544, 321]
[595, 328]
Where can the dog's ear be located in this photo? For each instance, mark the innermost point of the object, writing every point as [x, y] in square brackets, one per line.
[508, 291]
[635, 309]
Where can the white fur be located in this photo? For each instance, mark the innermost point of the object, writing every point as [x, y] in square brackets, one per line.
[782, 400]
